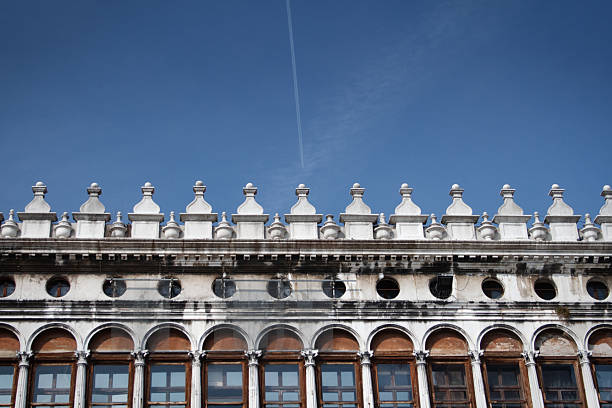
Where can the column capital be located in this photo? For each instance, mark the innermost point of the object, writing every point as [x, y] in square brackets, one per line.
[24, 358]
[139, 357]
[309, 356]
[583, 356]
[82, 356]
[421, 356]
[196, 357]
[366, 357]
[530, 357]
[475, 356]
[253, 356]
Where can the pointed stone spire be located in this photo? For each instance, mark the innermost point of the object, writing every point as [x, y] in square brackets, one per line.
[91, 218]
[63, 229]
[589, 232]
[512, 223]
[604, 218]
[330, 230]
[10, 229]
[538, 231]
[171, 230]
[198, 216]
[358, 218]
[146, 216]
[383, 230]
[250, 218]
[407, 219]
[560, 217]
[303, 220]
[277, 229]
[224, 230]
[118, 229]
[435, 231]
[458, 219]
[37, 217]
[487, 230]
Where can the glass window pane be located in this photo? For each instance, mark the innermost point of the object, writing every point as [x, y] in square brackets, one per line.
[52, 383]
[338, 382]
[110, 383]
[224, 382]
[394, 382]
[282, 383]
[603, 373]
[6, 383]
[559, 382]
[449, 383]
[167, 383]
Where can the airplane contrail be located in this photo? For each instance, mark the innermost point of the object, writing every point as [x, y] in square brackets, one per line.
[296, 94]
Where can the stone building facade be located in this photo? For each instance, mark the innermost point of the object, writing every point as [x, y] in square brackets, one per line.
[397, 312]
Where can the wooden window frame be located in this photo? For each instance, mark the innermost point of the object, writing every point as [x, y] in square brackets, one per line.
[577, 373]
[349, 357]
[11, 362]
[47, 359]
[395, 359]
[594, 361]
[223, 357]
[451, 360]
[110, 358]
[506, 358]
[282, 358]
[172, 358]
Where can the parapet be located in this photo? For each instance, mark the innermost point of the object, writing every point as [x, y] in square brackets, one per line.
[199, 222]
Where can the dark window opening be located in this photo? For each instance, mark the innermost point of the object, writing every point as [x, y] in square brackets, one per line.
[387, 288]
[559, 386]
[7, 287]
[169, 287]
[224, 288]
[492, 288]
[603, 381]
[394, 386]
[279, 288]
[450, 386]
[597, 289]
[57, 287]
[333, 287]
[545, 289]
[505, 390]
[441, 286]
[114, 287]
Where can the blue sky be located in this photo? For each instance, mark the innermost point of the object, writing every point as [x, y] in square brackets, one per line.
[430, 93]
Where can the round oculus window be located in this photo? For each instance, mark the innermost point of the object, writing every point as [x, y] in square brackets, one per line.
[114, 287]
[224, 287]
[441, 286]
[597, 289]
[7, 286]
[279, 288]
[57, 287]
[387, 288]
[492, 288]
[169, 287]
[333, 288]
[545, 289]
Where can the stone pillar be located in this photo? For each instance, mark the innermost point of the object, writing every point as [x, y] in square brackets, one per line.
[459, 219]
[198, 216]
[560, 217]
[534, 385]
[21, 394]
[479, 390]
[311, 384]
[366, 378]
[249, 217]
[407, 218]
[421, 361]
[91, 218]
[303, 219]
[587, 379]
[138, 392]
[37, 217]
[81, 379]
[146, 216]
[196, 378]
[253, 356]
[358, 218]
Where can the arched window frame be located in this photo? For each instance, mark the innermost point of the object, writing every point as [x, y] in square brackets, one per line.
[597, 360]
[234, 357]
[178, 358]
[7, 360]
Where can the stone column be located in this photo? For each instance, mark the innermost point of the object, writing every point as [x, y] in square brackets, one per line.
[253, 356]
[366, 378]
[532, 373]
[587, 379]
[138, 392]
[196, 378]
[311, 384]
[81, 379]
[21, 395]
[479, 391]
[421, 361]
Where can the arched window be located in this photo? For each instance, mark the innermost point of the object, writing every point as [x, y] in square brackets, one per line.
[168, 369]
[600, 345]
[281, 370]
[504, 370]
[225, 373]
[51, 381]
[395, 381]
[558, 370]
[9, 346]
[110, 369]
[339, 370]
[450, 374]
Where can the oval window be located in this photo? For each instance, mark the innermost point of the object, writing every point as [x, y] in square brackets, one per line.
[492, 288]
[7, 286]
[224, 287]
[387, 288]
[333, 287]
[57, 287]
[114, 287]
[441, 286]
[597, 289]
[279, 288]
[545, 289]
[169, 287]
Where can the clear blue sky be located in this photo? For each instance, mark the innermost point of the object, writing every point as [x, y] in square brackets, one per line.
[430, 93]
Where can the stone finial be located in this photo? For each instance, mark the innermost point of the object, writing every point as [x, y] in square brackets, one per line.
[435, 231]
[383, 230]
[118, 229]
[37, 216]
[538, 231]
[458, 219]
[358, 219]
[146, 216]
[198, 217]
[277, 229]
[512, 222]
[330, 230]
[224, 230]
[10, 229]
[487, 230]
[560, 217]
[172, 230]
[589, 232]
[91, 218]
[407, 219]
[250, 218]
[303, 219]
[604, 218]
[63, 229]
